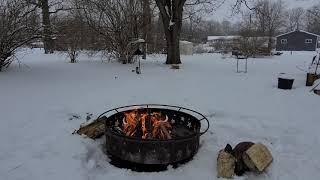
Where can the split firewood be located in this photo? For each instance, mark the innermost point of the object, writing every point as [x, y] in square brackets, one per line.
[94, 130]
[238, 152]
[226, 163]
[257, 157]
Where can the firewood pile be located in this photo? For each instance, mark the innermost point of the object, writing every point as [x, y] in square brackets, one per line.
[246, 156]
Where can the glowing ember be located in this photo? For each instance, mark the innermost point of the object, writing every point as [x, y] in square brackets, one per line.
[146, 126]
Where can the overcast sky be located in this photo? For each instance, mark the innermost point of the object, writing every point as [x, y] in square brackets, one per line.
[224, 12]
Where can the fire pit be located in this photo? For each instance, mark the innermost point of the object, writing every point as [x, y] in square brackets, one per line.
[153, 134]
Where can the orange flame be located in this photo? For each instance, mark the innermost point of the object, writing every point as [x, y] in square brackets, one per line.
[135, 121]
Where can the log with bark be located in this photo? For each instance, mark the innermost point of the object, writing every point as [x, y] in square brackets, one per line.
[226, 163]
[94, 130]
[246, 156]
[238, 152]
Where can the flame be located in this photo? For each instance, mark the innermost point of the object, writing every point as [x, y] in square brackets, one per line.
[150, 126]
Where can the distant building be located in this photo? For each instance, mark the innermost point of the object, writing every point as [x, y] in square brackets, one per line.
[186, 48]
[235, 42]
[225, 43]
[212, 40]
[297, 41]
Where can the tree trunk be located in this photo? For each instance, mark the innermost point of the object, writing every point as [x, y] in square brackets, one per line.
[1, 64]
[47, 30]
[173, 46]
[172, 24]
[270, 44]
[146, 23]
[122, 57]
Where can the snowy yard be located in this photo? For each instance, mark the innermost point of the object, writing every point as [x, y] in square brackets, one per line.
[38, 99]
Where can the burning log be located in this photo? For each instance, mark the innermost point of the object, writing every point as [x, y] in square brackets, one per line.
[130, 123]
[165, 131]
[146, 126]
[160, 129]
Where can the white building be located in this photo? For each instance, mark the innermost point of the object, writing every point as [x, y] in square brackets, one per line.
[221, 39]
[186, 48]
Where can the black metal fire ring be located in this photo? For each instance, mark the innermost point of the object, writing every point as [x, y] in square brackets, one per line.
[147, 106]
[153, 152]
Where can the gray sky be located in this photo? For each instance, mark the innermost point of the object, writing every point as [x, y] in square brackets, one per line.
[225, 10]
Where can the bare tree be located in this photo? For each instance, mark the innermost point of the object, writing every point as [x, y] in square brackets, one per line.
[71, 36]
[117, 23]
[313, 19]
[295, 19]
[269, 17]
[16, 28]
[249, 43]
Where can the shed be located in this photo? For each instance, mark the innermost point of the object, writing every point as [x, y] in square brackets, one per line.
[297, 41]
[186, 48]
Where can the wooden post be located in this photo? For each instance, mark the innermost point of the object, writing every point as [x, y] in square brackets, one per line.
[237, 65]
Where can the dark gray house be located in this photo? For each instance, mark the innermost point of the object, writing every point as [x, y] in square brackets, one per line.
[297, 41]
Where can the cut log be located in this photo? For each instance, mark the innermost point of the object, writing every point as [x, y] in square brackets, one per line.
[225, 164]
[94, 130]
[257, 157]
[238, 151]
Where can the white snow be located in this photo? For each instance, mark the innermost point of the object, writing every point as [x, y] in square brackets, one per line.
[171, 23]
[286, 76]
[138, 41]
[39, 99]
[316, 85]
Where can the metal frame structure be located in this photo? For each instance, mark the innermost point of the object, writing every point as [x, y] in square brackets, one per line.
[154, 151]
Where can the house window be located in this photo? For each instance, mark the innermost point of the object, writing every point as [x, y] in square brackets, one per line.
[284, 41]
[308, 41]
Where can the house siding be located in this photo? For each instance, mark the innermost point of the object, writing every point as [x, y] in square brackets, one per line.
[296, 42]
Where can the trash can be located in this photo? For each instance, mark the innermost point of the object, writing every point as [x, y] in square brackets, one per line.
[285, 82]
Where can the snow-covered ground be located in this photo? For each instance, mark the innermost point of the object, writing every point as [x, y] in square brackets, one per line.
[39, 98]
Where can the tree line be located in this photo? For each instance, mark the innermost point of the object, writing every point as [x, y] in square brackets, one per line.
[112, 25]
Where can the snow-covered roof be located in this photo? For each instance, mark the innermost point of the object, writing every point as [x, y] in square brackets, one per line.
[210, 38]
[138, 41]
[298, 31]
[185, 42]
